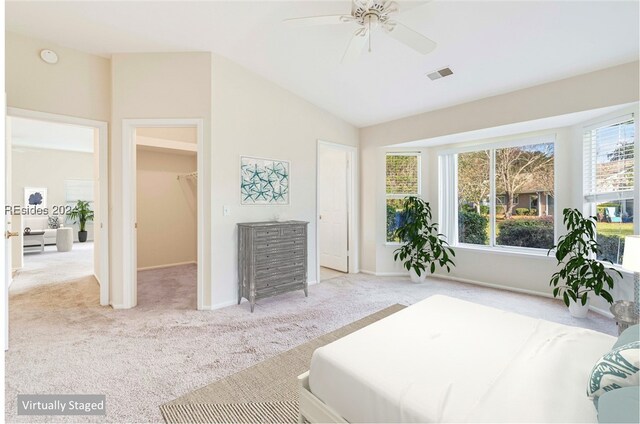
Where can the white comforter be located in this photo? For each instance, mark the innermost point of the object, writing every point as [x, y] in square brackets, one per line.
[447, 360]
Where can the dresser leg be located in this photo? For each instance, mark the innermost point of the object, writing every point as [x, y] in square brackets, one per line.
[306, 292]
[252, 305]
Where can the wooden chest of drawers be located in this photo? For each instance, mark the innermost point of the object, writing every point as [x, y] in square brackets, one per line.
[272, 259]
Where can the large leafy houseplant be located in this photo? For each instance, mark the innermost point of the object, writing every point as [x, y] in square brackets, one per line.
[581, 272]
[423, 247]
[81, 213]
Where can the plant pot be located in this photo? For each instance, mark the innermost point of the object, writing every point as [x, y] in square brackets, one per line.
[577, 309]
[415, 278]
[82, 236]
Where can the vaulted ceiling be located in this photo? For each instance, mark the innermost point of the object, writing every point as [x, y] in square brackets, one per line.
[493, 47]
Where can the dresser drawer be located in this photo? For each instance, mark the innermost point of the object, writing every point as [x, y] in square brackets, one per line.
[279, 256]
[275, 245]
[267, 233]
[293, 231]
[282, 284]
[276, 270]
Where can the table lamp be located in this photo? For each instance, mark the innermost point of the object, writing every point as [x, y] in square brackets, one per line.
[631, 262]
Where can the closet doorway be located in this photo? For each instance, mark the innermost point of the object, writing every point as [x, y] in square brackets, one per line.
[164, 213]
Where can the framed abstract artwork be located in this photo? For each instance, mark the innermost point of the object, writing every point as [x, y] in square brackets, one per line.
[35, 197]
[264, 181]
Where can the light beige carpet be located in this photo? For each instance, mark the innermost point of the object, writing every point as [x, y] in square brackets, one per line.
[328, 273]
[62, 341]
[265, 392]
[53, 267]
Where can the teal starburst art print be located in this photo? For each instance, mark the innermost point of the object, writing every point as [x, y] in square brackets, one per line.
[264, 181]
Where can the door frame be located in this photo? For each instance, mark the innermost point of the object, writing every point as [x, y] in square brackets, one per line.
[103, 195]
[129, 235]
[352, 205]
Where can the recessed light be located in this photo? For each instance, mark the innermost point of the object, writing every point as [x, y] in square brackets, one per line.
[49, 56]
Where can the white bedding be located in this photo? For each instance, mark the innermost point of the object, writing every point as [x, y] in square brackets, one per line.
[447, 360]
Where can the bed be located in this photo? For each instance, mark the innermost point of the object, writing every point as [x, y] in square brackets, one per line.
[448, 360]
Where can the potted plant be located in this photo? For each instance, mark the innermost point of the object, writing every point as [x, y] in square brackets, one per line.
[581, 272]
[81, 213]
[424, 248]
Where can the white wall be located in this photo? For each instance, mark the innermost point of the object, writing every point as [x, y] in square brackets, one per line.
[254, 117]
[49, 169]
[166, 208]
[157, 85]
[78, 85]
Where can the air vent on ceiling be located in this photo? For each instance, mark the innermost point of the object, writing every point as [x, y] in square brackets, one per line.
[444, 72]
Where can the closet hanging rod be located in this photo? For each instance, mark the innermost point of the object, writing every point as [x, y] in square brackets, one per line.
[189, 175]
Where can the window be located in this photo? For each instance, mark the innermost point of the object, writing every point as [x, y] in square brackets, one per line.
[609, 183]
[499, 195]
[75, 190]
[502, 199]
[402, 180]
[533, 203]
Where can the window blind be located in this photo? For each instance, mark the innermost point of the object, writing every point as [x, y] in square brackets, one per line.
[78, 190]
[609, 160]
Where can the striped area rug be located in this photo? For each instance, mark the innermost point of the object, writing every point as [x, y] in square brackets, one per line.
[263, 393]
[258, 412]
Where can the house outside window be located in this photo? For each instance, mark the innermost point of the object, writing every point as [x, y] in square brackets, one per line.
[402, 180]
[610, 183]
[502, 193]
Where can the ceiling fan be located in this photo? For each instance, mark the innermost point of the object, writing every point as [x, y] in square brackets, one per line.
[370, 16]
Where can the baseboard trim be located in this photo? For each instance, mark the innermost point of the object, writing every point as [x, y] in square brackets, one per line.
[602, 312]
[385, 274]
[491, 285]
[483, 284]
[234, 302]
[514, 289]
[220, 305]
[148, 268]
[118, 306]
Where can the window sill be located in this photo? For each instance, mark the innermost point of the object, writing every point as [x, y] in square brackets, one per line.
[507, 251]
[617, 267]
[393, 243]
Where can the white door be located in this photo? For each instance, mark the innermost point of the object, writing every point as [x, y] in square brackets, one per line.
[333, 211]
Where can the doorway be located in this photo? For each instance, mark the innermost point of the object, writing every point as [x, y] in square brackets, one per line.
[146, 134]
[64, 193]
[166, 216]
[52, 163]
[336, 210]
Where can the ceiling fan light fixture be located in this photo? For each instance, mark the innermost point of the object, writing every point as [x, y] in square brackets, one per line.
[370, 16]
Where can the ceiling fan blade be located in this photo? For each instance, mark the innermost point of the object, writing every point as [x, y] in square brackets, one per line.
[355, 47]
[319, 20]
[409, 37]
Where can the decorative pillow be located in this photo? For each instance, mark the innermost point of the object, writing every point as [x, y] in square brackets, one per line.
[617, 368]
[620, 406]
[631, 334]
[54, 222]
